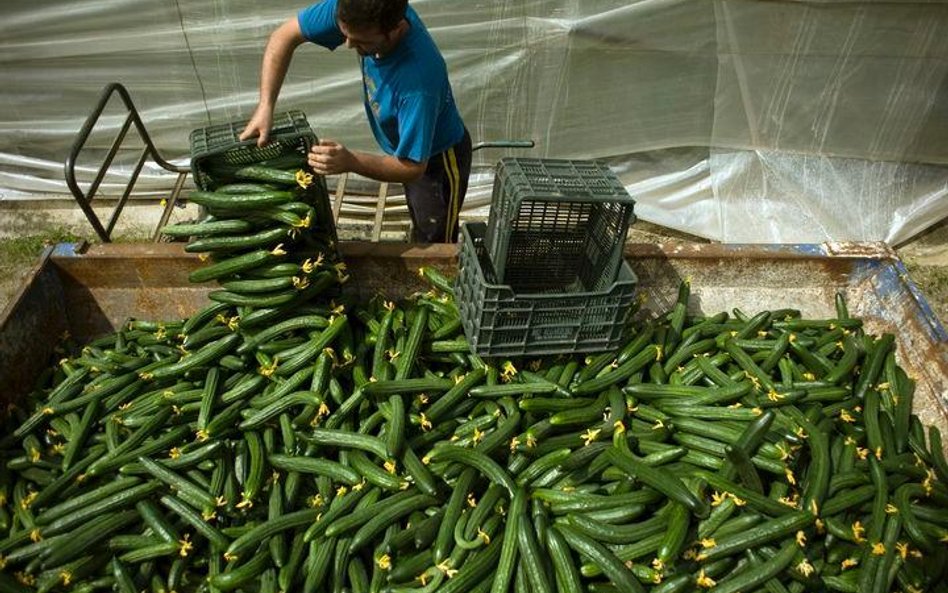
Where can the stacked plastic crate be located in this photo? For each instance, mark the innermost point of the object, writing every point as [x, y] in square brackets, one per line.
[545, 275]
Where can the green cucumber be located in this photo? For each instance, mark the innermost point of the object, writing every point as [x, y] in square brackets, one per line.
[240, 202]
[235, 265]
[264, 238]
[208, 229]
[266, 174]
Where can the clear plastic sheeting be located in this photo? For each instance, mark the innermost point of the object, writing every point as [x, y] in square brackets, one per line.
[736, 120]
[770, 196]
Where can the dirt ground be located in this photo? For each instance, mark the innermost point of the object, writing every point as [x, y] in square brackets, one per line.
[925, 256]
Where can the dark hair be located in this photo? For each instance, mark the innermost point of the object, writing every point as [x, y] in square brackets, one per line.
[360, 14]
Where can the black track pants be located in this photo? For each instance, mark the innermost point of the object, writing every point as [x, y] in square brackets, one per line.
[435, 200]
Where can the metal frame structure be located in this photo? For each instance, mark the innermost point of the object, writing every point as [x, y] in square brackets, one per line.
[84, 199]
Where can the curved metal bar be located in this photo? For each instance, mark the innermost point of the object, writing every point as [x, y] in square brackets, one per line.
[84, 199]
[504, 144]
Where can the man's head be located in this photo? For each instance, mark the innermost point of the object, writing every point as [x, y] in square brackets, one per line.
[372, 27]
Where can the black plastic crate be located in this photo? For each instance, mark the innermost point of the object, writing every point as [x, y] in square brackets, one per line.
[499, 321]
[217, 152]
[557, 225]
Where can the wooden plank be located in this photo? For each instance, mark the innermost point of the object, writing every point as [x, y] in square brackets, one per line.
[340, 193]
[379, 212]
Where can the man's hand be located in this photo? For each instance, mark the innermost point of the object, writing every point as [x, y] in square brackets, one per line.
[330, 158]
[259, 126]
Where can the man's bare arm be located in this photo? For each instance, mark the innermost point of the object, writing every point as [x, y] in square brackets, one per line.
[276, 61]
[331, 158]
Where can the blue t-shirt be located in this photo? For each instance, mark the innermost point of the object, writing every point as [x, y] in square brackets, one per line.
[408, 97]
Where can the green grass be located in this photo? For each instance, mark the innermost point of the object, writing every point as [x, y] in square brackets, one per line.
[18, 254]
[933, 282]
[22, 249]
[19, 251]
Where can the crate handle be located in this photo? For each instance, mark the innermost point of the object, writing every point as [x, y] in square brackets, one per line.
[504, 144]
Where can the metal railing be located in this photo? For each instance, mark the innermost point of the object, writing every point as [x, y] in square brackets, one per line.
[84, 198]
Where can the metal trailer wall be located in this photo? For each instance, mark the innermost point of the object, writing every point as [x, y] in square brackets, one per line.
[737, 120]
[91, 291]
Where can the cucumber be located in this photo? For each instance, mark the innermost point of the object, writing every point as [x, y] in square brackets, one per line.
[260, 533]
[479, 461]
[81, 540]
[265, 238]
[320, 467]
[386, 517]
[768, 531]
[240, 202]
[347, 440]
[660, 480]
[611, 566]
[258, 286]
[275, 271]
[274, 298]
[266, 174]
[207, 354]
[234, 265]
[178, 483]
[246, 188]
[759, 575]
[217, 539]
[122, 499]
[407, 386]
[208, 229]
[243, 575]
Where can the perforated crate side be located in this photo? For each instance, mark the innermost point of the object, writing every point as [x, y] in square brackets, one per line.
[219, 148]
[500, 322]
[557, 225]
[520, 178]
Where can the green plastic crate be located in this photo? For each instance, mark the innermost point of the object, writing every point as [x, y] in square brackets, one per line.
[217, 151]
[500, 321]
[557, 225]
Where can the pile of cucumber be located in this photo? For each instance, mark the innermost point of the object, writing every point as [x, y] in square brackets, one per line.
[333, 446]
[264, 242]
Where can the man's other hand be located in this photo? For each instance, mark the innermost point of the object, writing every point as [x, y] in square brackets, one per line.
[259, 126]
[330, 158]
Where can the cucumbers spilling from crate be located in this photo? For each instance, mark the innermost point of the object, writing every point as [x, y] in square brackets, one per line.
[342, 447]
[263, 243]
[265, 217]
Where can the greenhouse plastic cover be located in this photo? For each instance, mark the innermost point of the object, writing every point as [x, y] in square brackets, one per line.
[737, 120]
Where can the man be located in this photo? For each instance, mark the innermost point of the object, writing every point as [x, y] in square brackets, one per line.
[408, 101]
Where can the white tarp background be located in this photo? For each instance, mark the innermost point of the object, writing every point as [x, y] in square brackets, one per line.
[737, 120]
